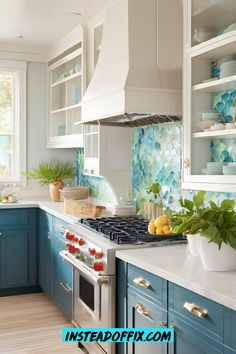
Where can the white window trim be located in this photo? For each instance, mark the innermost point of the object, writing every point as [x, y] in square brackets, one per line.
[20, 68]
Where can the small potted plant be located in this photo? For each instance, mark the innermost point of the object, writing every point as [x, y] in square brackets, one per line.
[214, 229]
[218, 244]
[52, 173]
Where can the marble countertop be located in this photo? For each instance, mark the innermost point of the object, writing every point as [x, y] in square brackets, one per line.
[177, 265]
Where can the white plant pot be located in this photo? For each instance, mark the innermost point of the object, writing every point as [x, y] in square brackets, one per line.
[193, 244]
[216, 260]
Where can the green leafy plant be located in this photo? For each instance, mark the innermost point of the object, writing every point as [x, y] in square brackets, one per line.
[51, 172]
[221, 223]
[216, 223]
[154, 189]
[190, 219]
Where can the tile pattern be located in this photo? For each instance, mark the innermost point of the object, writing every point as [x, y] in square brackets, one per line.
[156, 152]
[98, 186]
[223, 102]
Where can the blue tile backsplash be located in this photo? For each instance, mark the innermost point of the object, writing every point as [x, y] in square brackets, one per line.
[156, 156]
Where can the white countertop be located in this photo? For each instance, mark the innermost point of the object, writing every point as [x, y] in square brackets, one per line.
[176, 264]
[56, 209]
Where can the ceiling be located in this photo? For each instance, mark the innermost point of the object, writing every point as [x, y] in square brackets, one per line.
[42, 22]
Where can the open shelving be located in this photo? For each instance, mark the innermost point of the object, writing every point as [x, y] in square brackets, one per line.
[66, 88]
[201, 87]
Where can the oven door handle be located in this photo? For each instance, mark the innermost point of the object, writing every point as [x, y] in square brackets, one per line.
[84, 270]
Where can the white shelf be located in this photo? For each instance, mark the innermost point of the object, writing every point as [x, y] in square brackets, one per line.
[217, 134]
[216, 47]
[210, 14]
[66, 108]
[227, 83]
[67, 78]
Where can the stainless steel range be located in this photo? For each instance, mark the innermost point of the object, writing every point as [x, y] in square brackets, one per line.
[91, 247]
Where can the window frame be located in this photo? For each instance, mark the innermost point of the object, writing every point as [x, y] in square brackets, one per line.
[19, 136]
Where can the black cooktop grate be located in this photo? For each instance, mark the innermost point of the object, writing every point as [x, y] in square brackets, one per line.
[127, 230]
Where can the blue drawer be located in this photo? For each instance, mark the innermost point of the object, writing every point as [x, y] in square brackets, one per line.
[211, 325]
[59, 228]
[149, 285]
[15, 217]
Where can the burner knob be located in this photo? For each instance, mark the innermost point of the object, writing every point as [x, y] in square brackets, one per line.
[99, 254]
[73, 249]
[92, 251]
[69, 236]
[98, 266]
[81, 242]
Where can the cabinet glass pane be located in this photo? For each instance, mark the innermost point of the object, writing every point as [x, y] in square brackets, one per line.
[58, 124]
[73, 119]
[58, 97]
[73, 91]
[210, 19]
[91, 145]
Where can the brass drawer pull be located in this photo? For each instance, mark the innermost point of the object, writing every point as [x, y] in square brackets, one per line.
[192, 308]
[186, 163]
[141, 310]
[163, 324]
[141, 283]
[66, 287]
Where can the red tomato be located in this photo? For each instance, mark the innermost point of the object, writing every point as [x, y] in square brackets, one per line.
[99, 254]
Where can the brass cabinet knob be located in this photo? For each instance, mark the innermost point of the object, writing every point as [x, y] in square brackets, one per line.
[186, 163]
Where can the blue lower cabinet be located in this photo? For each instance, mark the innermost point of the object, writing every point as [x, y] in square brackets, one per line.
[142, 313]
[229, 329]
[190, 341]
[62, 280]
[45, 222]
[18, 255]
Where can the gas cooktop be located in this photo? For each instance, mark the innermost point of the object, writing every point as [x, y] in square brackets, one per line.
[127, 230]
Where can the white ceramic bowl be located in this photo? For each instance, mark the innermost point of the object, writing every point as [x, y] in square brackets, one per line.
[214, 168]
[210, 115]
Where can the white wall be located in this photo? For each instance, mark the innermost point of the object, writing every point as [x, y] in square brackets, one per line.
[37, 123]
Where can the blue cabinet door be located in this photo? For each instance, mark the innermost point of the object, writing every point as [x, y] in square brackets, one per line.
[190, 341]
[62, 280]
[45, 224]
[152, 317]
[18, 256]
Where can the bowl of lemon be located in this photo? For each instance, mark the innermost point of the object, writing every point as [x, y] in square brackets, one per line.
[160, 226]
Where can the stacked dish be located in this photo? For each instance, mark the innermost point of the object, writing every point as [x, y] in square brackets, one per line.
[203, 34]
[230, 169]
[209, 119]
[213, 168]
[228, 68]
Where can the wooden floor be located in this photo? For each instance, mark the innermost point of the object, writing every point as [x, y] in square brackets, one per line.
[32, 324]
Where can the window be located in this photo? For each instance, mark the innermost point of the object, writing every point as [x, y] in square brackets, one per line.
[12, 121]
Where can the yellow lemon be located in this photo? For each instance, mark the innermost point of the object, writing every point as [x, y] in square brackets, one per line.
[159, 230]
[161, 221]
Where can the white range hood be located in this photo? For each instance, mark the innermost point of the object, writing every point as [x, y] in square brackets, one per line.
[126, 85]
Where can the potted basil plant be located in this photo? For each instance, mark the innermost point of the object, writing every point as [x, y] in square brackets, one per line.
[213, 228]
[218, 244]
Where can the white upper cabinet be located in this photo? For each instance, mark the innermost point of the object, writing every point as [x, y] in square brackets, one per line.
[209, 94]
[66, 88]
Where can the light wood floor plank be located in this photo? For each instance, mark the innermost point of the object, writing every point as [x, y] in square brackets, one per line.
[32, 324]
